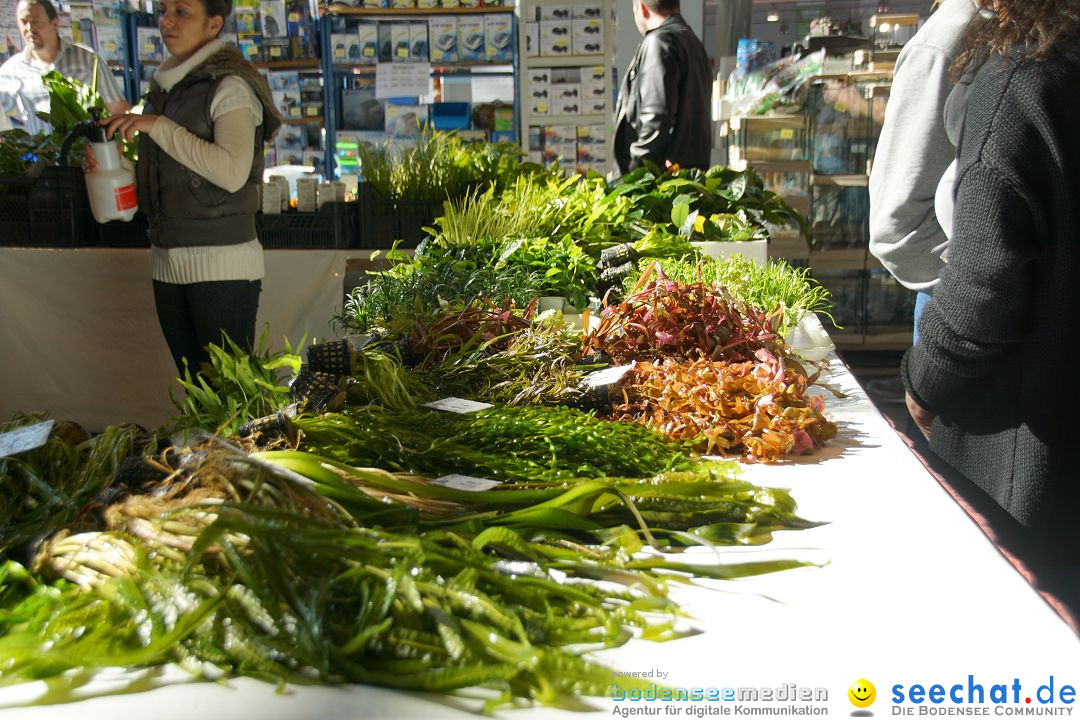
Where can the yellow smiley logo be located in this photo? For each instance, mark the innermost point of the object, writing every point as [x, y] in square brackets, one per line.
[862, 693]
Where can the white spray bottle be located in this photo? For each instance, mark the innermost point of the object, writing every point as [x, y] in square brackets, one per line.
[111, 187]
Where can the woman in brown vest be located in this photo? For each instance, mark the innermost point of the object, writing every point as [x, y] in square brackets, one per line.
[200, 139]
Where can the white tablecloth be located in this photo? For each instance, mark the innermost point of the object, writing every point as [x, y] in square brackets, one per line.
[909, 592]
[79, 336]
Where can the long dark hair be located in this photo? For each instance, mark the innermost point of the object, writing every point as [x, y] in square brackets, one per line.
[1022, 28]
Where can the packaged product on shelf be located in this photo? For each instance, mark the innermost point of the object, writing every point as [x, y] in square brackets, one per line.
[536, 157]
[271, 198]
[567, 91]
[504, 120]
[272, 14]
[371, 3]
[403, 3]
[471, 38]
[443, 39]
[594, 107]
[418, 41]
[360, 110]
[311, 110]
[560, 135]
[283, 193]
[555, 12]
[276, 48]
[587, 10]
[404, 120]
[110, 44]
[250, 47]
[499, 34]
[307, 194]
[539, 77]
[400, 37]
[247, 21]
[428, 3]
[591, 135]
[450, 3]
[368, 36]
[310, 82]
[532, 39]
[540, 106]
[470, 3]
[564, 106]
[314, 158]
[82, 24]
[588, 36]
[339, 48]
[555, 39]
[386, 42]
[151, 47]
[564, 153]
[332, 191]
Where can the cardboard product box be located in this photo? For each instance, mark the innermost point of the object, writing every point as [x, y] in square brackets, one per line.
[339, 48]
[310, 81]
[537, 157]
[361, 110]
[313, 157]
[540, 107]
[504, 120]
[368, 36]
[540, 93]
[428, 4]
[386, 42]
[560, 135]
[588, 37]
[499, 37]
[450, 3]
[591, 11]
[566, 91]
[566, 153]
[595, 75]
[539, 77]
[443, 39]
[592, 153]
[471, 38]
[311, 96]
[566, 107]
[536, 138]
[418, 41]
[594, 107]
[532, 39]
[592, 135]
[401, 37]
[403, 3]
[288, 104]
[373, 3]
[276, 49]
[594, 92]
[405, 120]
[555, 12]
[555, 38]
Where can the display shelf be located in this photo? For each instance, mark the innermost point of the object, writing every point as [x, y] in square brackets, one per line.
[563, 61]
[339, 9]
[565, 119]
[502, 68]
[570, 69]
[838, 259]
[797, 120]
[308, 64]
[762, 166]
[852, 180]
[304, 121]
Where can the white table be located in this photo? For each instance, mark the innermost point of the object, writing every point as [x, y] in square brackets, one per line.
[79, 336]
[910, 592]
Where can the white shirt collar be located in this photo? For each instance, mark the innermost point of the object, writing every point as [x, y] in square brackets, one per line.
[171, 72]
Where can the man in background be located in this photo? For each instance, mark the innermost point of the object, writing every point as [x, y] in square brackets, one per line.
[45, 51]
[663, 114]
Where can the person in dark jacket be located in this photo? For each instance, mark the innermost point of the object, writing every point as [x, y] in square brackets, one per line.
[990, 381]
[663, 114]
[207, 117]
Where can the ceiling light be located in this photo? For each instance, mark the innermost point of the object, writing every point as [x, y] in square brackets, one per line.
[773, 16]
[884, 27]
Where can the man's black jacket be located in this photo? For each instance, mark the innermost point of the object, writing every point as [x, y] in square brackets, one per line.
[664, 105]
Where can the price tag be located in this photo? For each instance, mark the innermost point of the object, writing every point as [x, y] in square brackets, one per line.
[313, 112]
[787, 134]
[840, 106]
[339, 52]
[607, 376]
[295, 17]
[275, 51]
[457, 405]
[25, 438]
[369, 52]
[465, 482]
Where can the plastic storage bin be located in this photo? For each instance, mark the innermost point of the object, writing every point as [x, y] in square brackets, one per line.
[333, 226]
[51, 210]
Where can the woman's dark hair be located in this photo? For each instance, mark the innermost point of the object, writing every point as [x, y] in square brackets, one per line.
[48, 7]
[1022, 28]
[217, 7]
[663, 7]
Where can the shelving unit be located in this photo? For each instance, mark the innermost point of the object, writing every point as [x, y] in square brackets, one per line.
[339, 22]
[819, 160]
[584, 82]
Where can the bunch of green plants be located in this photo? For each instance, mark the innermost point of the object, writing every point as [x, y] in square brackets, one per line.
[767, 287]
[439, 275]
[716, 204]
[69, 99]
[236, 387]
[526, 444]
[536, 366]
[437, 166]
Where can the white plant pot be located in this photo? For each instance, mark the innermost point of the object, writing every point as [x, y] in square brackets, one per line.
[756, 250]
[552, 303]
[809, 338]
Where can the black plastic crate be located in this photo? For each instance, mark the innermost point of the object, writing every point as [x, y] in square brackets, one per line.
[378, 219]
[333, 226]
[131, 234]
[51, 210]
[413, 217]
